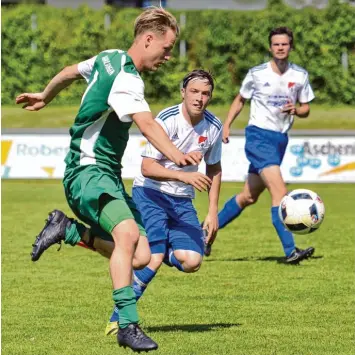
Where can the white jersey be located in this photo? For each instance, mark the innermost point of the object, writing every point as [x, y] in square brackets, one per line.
[269, 92]
[205, 137]
[126, 95]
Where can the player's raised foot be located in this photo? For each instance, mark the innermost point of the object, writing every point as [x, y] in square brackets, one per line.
[52, 233]
[111, 328]
[134, 338]
[298, 255]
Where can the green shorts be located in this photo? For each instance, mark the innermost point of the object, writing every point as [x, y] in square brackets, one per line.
[85, 186]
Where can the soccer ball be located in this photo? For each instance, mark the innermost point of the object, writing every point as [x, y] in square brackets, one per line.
[301, 211]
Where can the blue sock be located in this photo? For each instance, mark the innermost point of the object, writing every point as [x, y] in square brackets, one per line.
[115, 316]
[230, 211]
[141, 279]
[166, 259]
[172, 261]
[285, 236]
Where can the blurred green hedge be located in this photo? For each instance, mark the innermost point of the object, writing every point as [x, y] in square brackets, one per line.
[225, 42]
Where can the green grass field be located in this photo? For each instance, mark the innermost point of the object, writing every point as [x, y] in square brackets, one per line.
[321, 117]
[241, 302]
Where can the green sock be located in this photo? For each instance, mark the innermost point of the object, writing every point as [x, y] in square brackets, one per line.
[74, 232]
[125, 301]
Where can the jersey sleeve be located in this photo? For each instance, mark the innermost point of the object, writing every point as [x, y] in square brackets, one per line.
[150, 151]
[247, 88]
[214, 153]
[127, 96]
[306, 93]
[85, 68]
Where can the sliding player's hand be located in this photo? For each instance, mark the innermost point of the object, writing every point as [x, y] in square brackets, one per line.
[192, 158]
[198, 180]
[226, 134]
[195, 156]
[211, 225]
[32, 102]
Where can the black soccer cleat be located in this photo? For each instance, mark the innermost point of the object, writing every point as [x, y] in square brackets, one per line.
[208, 249]
[52, 233]
[299, 255]
[134, 338]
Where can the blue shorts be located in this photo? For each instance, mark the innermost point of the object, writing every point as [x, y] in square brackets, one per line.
[168, 219]
[264, 148]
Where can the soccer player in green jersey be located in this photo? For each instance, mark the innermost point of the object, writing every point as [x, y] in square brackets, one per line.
[114, 98]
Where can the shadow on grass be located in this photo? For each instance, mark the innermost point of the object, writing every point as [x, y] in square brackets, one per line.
[278, 259]
[190, 328]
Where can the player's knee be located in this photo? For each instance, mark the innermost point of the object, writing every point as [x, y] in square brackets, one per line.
[192, 262]
[191, 266]
[126, 233]
[142, 254]
[141, 261]
[250, 199]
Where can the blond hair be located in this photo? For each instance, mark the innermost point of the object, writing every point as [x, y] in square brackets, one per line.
[157, 20]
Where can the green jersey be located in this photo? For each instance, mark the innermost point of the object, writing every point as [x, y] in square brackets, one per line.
[115, 91]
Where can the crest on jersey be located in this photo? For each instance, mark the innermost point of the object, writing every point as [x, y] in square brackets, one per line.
[291, 85]
[202, 141]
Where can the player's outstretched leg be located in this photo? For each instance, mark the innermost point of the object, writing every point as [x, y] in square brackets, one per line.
[134, 337]
[58, 228]
[52, 233]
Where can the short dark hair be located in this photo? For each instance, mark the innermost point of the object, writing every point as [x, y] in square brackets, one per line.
[281, 31]
[198, 74]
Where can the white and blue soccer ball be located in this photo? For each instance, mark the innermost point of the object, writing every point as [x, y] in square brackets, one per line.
[302, 211]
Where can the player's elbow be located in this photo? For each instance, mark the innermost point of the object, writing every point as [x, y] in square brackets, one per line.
[303, 111]
[146, 169]
[71, 72]
[144, 123]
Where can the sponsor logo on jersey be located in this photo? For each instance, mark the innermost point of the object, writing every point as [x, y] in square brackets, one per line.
[202, 141]
[108, 65]
[266, 85]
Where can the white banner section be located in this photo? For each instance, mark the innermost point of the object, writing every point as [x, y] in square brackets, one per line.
[307, 159]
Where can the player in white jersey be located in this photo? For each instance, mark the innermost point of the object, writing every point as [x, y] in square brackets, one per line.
[164, 191]
[274, 88]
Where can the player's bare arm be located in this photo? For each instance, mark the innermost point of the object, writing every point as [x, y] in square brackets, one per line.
[153, 170]
[233, 113]
[36, 101]
[214, 172]
[301, 111]
[156, 135]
